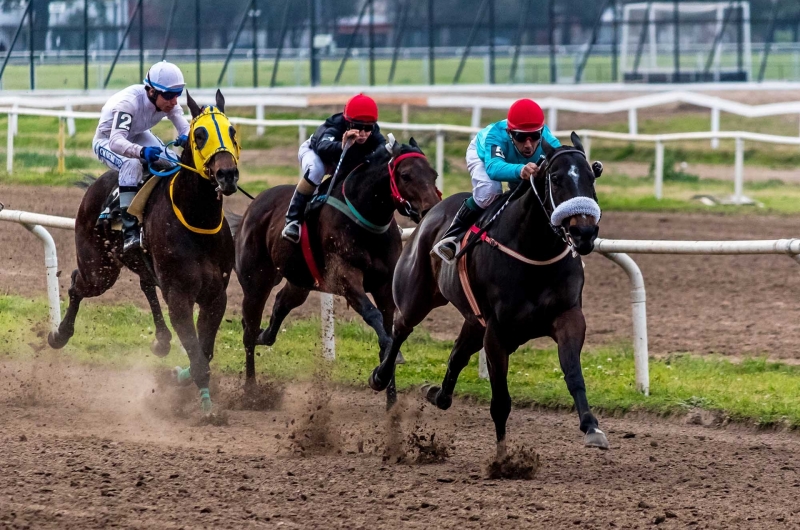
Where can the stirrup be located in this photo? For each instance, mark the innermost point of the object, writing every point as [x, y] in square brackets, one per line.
[444, 251]
[291, 232]
[131, 245]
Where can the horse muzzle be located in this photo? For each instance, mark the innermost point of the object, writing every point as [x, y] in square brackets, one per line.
[583, 237]
[227, 180]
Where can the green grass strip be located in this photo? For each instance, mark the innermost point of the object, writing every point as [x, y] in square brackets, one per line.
[754, 391]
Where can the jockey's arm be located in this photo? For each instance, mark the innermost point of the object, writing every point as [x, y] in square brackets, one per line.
[120, 129]
[329, 146]
[496, 166]
[178, 120]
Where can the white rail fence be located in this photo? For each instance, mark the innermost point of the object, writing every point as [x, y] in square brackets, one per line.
[615, 250]
[440, 131]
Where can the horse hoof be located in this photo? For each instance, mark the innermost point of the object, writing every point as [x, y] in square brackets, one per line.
[400, 359]
[596, 438]
[375, 383]
[205, 401]
[159, 348]
[429, 392]
[265, 338]
[55, 341]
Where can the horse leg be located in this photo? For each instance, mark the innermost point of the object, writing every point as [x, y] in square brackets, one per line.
[287, 299]
[500, 408]
[161, 344]
[256, 294]
[469, 341]
[385, 302]
[208, 321]
[85, 284]
[569, 331]
[181, 314]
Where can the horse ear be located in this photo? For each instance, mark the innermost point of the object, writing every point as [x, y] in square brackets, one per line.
[413, 143]
[194, 108]
[220, 101]
[576, 141]
[547, 148]
[397, 149]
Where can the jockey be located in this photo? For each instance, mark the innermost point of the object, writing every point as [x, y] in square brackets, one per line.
[123, 138]
[505, 151]
[356, 125]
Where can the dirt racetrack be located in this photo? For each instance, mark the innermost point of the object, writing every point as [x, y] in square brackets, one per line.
[734, 305]
[91, 448]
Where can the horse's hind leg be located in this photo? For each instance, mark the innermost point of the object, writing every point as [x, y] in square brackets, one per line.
[469, 341]
[161, 344]
[85, 284]
[569, 331]
[287, 299]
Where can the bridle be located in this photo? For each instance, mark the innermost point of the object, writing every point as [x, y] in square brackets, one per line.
[402, 204]
[559, 230]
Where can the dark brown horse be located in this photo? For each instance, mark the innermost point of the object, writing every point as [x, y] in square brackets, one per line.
[191, 264]
[518, 301]
[354, 258]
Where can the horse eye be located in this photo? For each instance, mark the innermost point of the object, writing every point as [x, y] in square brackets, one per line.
[405, 176]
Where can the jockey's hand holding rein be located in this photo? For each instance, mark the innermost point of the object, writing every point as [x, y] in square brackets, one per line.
[529, 171]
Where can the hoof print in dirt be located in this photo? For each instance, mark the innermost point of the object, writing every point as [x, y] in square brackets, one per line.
[519, 464]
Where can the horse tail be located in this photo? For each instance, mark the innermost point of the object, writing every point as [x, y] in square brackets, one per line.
[85, 182]
[234, 221]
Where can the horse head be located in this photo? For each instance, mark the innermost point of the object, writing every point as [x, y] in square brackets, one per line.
[566, 187]
[413, 180]
[213, 146]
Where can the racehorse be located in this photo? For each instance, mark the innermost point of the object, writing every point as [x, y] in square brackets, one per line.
[188, 245]
[524, 282]
[354, 243]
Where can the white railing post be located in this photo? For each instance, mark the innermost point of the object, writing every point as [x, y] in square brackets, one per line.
[659, 176]
[440, 160]
[639, 315]
[70, 121]
[738, 177]
[10, 145]
[587, 145]
[633, 122]
[552, 118]
[15, 124]
[483, 368]
[51, 265]
[404, 118]
[715, 127]
[476, 117]
[260, 116]
[328, 338]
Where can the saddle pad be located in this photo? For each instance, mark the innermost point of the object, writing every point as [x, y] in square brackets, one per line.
[140, 200]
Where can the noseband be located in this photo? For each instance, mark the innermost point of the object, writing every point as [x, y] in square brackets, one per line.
[403, 206]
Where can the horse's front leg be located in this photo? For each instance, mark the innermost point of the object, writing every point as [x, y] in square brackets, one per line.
[385, 301]
[569, 331]
[208, 321]
[161, 344]
[181, 307]
[497, 361]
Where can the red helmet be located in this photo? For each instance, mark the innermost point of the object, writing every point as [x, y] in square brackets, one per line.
[361, 108]
[525, 115]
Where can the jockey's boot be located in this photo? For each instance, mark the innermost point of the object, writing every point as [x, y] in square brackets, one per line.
[130, 224]
[294, 216]
[447, 247]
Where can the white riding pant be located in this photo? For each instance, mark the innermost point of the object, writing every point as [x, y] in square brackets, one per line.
[484, 189]
[130, 169]
[310, 163]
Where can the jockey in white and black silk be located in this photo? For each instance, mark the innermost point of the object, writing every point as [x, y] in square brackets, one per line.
[356, 125]
[123, 138]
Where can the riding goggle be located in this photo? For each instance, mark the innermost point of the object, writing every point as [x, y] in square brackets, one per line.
[522, 136]
[170, 94]
[355, 126]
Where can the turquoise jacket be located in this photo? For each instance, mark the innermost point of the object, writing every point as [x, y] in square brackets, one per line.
[499, 154]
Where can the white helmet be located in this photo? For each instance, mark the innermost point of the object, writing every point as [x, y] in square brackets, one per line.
[165, 77]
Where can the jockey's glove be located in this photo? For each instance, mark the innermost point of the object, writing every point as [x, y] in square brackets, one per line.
[150, 154]
[181, 141]
[597, 168]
